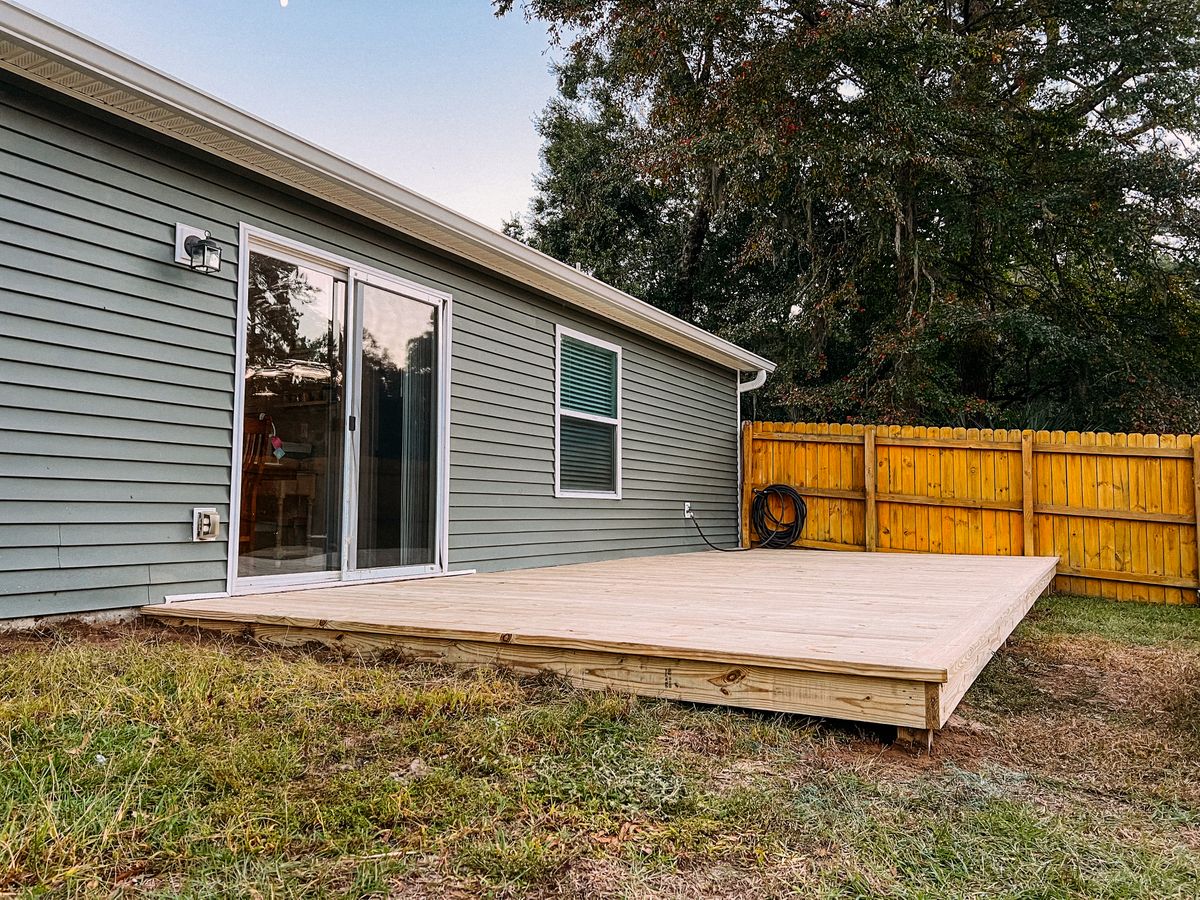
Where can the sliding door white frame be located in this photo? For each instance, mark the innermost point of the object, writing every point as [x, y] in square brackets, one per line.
[353, 272]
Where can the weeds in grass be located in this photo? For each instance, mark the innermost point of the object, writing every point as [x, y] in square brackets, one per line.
[141, 761]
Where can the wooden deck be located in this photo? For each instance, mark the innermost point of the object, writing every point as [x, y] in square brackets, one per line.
[876, 637]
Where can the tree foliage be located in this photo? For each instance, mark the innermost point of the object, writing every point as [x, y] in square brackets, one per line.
[983, 212]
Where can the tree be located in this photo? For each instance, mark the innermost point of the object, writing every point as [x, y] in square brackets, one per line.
[980, 212]
[279, 294]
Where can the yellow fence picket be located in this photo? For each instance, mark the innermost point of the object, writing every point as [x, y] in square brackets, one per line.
[1122, 512]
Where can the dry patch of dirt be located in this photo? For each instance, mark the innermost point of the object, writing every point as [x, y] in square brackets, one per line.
[706, 879]
[1107, 719]
[70, 633]
[1097, 718]
[1145, 683]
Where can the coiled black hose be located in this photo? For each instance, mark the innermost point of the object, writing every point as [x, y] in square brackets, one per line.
[776, 532]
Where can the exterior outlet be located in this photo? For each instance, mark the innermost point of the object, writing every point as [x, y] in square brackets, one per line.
[687, 511]
[206, 524]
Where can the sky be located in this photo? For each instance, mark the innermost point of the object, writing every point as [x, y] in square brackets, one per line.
[438, 95]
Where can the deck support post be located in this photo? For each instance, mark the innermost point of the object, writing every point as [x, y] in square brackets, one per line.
[917, 738]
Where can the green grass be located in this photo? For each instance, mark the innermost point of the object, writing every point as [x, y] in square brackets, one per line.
[138, 761]
[1128, 623]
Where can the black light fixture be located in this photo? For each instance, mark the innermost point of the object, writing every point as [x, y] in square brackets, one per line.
[204, 254]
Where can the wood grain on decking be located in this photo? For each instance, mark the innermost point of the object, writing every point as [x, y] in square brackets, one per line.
[788, 619]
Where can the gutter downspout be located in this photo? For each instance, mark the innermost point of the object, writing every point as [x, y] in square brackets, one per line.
[743, 387]
[753, 384]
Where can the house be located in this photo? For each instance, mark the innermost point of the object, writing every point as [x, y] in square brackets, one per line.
[365, 385]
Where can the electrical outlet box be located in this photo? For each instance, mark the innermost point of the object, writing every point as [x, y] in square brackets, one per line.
[687, 511]
[206, 524]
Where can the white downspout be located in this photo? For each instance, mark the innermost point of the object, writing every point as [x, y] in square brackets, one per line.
[754, 383]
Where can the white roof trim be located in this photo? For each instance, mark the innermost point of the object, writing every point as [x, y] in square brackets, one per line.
[74, 64]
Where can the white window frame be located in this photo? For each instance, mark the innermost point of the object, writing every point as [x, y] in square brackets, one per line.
[251, 237]
[561, 331]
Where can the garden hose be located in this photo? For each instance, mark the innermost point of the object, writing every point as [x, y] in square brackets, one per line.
[776, 532]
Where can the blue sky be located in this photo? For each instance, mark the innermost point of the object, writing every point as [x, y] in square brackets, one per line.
[438, 95]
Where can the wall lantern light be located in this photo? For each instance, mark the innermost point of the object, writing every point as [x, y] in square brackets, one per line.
[195, 248]
[205, 253]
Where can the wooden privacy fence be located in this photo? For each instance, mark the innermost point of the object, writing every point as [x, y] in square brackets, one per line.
[1119, 510]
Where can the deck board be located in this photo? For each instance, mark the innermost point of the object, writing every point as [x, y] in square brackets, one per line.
[844, 630]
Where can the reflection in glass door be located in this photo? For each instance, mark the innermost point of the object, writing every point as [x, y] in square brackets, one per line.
[293, 431]
[341, 457]
[396, 431]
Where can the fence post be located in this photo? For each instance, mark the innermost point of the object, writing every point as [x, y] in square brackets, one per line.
[1196, 494]
[871, 518]
[1027, 487]
[747, 457]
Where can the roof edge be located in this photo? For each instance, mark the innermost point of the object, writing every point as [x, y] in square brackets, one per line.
[445, 229]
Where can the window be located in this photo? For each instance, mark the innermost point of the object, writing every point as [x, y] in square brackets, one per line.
[587, 457]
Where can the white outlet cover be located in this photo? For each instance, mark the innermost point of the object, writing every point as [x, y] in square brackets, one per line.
[182, 233]
[201, 512]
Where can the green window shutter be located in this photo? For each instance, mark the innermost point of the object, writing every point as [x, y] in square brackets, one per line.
[588, 378]
[587, 453]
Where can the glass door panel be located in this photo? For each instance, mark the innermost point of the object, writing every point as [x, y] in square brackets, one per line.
[397, 431]
[293, 432]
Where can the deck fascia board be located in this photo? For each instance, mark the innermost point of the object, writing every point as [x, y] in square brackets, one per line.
[215, 612]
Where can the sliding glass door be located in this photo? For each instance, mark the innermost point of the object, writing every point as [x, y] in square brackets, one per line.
[292, 427]
[341, 456]
[396, 431]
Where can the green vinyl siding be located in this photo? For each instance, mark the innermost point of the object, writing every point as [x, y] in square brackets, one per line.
[117, 373]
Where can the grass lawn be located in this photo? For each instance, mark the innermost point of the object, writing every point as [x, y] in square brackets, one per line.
[138, 760]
